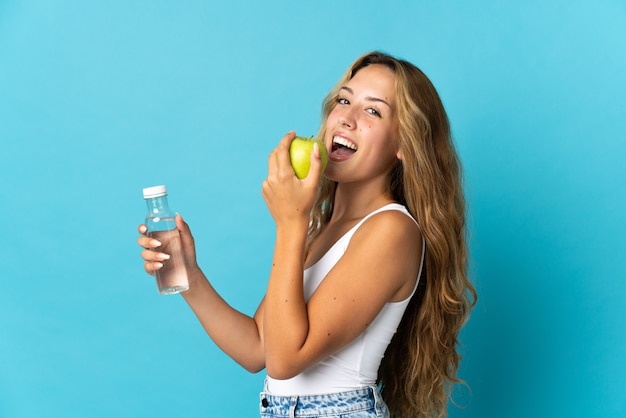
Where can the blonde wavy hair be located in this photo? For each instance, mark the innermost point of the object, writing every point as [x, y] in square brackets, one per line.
[420, 365]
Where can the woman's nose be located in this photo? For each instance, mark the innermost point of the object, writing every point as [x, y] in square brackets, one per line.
[347, 119]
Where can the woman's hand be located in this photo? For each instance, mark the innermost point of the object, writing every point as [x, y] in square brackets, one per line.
[288, 198]
[153, 259]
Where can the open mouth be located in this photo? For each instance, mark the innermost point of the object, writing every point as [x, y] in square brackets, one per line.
[342, 148]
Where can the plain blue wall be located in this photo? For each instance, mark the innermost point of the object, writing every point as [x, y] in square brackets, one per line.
[99, 99]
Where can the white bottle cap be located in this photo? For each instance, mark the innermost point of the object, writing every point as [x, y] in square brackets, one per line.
[155, 191]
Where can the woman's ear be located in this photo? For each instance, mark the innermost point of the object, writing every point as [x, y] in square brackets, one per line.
[399, 155]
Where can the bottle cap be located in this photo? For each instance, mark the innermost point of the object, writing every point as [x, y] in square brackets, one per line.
[155, 191]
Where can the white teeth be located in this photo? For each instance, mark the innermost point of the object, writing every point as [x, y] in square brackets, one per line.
[343, 141]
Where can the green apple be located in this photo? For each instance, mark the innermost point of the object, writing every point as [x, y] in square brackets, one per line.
[300, 153]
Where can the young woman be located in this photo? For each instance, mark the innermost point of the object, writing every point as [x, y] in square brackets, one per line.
[368, 288]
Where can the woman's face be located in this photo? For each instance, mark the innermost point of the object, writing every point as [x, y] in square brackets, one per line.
[361, 130]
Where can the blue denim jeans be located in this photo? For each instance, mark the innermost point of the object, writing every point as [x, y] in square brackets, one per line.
[361, 403]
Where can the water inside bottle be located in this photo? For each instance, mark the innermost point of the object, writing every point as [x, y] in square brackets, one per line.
[172, 277]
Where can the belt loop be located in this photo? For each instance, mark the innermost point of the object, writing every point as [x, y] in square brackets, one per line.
[293, 403]
[379, 403]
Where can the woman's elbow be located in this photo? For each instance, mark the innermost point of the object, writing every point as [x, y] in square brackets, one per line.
[253, 367]
[282, 370]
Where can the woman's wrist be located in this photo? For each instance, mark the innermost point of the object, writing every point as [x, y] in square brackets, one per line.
[195, 277]
[293, 232]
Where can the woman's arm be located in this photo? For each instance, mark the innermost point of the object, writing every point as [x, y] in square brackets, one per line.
[380, 265]
[235, 333]
[289, 201]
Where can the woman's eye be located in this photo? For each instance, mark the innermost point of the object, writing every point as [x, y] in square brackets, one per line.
[341, 100]
[374, 112]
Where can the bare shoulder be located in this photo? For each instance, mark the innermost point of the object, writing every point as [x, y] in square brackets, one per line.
[389, 243]
[392, 226]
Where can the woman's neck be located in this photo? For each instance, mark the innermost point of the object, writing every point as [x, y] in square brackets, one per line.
[354, 201]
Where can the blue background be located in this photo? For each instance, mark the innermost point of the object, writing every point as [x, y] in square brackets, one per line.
[99, 99]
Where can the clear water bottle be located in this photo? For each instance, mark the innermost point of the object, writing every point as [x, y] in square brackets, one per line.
[161, 224]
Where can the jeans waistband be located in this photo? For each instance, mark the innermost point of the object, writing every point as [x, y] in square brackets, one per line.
[323, 405]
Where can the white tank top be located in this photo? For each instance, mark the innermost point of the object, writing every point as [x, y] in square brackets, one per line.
[356, 365]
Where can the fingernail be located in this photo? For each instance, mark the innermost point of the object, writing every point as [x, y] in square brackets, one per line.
[163, 256]
[158, 265]
[155, 243]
